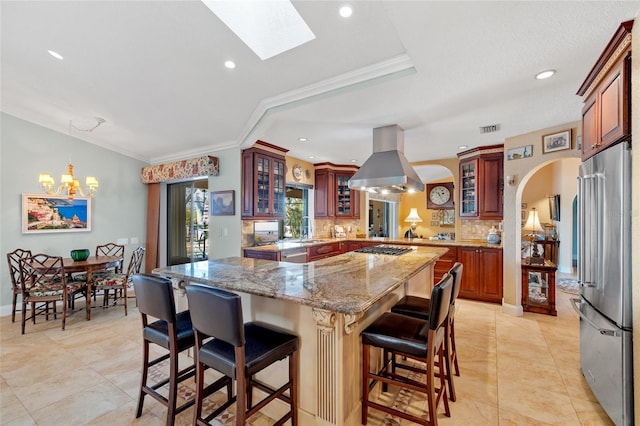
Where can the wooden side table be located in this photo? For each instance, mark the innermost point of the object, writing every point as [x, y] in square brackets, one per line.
[539, 288]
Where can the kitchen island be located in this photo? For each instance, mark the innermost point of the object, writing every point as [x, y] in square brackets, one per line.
[327, 303]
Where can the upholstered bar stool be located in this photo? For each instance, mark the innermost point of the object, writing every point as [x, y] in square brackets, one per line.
[418, 307]
[171, 331]
[413, 338]
[239, 351]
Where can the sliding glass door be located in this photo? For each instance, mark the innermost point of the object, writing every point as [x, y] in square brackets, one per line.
[187, 222]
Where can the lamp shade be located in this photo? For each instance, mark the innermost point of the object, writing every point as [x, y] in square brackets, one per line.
[413, 216]
[533, 222]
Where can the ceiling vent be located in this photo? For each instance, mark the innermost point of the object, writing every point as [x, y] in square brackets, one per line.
[490, 129]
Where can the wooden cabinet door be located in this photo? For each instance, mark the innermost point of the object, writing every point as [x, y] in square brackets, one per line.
[324, 193]
[490, 191]
[590, 137]
[469, 188]
[614, 109]
[323, 251]
[263, 184]
[248, 185]
[491, 275]
[444, 264]
[278, 179]
[470, 287]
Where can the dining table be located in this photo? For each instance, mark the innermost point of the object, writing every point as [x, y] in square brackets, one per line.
[91, 264]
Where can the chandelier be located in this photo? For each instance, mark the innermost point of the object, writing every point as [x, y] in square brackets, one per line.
[69, 185]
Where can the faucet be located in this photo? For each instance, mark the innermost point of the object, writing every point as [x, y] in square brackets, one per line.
[302, 226]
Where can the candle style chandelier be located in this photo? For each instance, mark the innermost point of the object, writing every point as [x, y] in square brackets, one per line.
[69, 184]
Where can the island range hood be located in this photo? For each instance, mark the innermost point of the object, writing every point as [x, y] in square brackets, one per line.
[387, 170]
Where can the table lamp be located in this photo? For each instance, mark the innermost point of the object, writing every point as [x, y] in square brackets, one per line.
[414, 219]
[533, 225]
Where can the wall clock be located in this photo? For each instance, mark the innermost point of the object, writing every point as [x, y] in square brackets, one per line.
[440, 195]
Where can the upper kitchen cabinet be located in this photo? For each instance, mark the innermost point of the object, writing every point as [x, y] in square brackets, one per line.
[481, 182]
[333, 197]
[606, 114]
[263, 181]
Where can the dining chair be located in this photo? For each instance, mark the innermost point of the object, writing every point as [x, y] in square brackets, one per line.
[13, 259]
[414, 339]
[118, 282]
[418, 307]
[44, 281]
[240, 352]
[108, 249]
[171, 331]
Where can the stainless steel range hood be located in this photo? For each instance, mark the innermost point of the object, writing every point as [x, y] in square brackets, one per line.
[387, 170]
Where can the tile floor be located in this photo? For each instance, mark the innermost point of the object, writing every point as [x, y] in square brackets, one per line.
[514, 371]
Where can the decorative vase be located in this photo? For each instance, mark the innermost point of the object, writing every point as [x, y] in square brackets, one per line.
[80, 254]
[493, 237]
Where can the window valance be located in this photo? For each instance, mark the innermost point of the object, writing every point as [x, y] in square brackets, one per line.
[178, 170]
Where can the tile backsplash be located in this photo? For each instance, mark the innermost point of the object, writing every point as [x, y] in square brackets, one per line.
[477, 229]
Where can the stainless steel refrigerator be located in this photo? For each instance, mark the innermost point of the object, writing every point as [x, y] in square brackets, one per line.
[604, 275]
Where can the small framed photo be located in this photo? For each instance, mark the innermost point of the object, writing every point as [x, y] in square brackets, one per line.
[556, 142]
[435, 216]
[520, 152]
[223, 203]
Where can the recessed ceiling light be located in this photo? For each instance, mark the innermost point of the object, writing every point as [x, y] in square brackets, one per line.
[346, 11]
[230, 64]
[312, 157]
[463, 147]
[353, 160]
[545, 74]
[55, 54]
[302, 139]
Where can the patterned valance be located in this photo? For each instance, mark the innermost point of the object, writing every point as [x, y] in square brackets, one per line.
[184, 169]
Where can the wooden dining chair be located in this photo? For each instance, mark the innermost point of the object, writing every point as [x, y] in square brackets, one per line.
[118, 282]
[108, 249]
[44, 282]
[13, 259]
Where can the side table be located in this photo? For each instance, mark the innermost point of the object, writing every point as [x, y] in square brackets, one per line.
[539, 288]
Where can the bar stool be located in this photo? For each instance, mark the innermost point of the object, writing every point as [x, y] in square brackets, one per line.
[171, 331]
[400, 335]
[418, 307]
[239, 351]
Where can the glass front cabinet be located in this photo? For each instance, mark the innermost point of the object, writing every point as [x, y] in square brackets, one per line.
[539, 288]
[263, 181]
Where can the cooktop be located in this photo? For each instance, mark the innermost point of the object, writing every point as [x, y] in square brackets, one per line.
[389, 250]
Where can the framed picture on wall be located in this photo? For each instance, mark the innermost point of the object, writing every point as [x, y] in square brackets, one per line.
[223, 203]
[43, 213]
[556, 142]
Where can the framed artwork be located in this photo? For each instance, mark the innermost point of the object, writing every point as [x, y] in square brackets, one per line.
[43, 213]
[520, 152]
[223, 203]
[448, 217]
[556, 142]
[554, 207]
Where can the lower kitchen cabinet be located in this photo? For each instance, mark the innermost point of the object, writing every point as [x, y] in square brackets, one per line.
[322, 251]
[262, 254]
[444, 264]
[482, 273]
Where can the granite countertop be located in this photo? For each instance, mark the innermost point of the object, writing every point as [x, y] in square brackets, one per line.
[349, 283]
[289, 244]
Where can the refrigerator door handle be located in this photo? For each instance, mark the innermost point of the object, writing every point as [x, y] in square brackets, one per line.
[575, 302]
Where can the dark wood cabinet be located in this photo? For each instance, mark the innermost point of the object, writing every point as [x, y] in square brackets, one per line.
[539, 288]
[444, 264]
[347, 246]
[333, 197]
[482, 274]
[262, 254]
[606, 114]
[322, 251]
[263, 181]
[482, 183]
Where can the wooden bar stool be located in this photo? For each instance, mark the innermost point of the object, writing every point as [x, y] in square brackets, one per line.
[418, 307]
[413, 338]
[171, 331]
[239, 351]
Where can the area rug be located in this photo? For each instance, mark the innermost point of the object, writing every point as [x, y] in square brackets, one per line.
[568, 285]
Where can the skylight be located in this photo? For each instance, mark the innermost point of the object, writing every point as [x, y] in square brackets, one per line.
[267, 27]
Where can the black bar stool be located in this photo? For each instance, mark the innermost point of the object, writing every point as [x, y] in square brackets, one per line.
[418, 307]
[239, 351]
[400, 335]
[171, 331]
